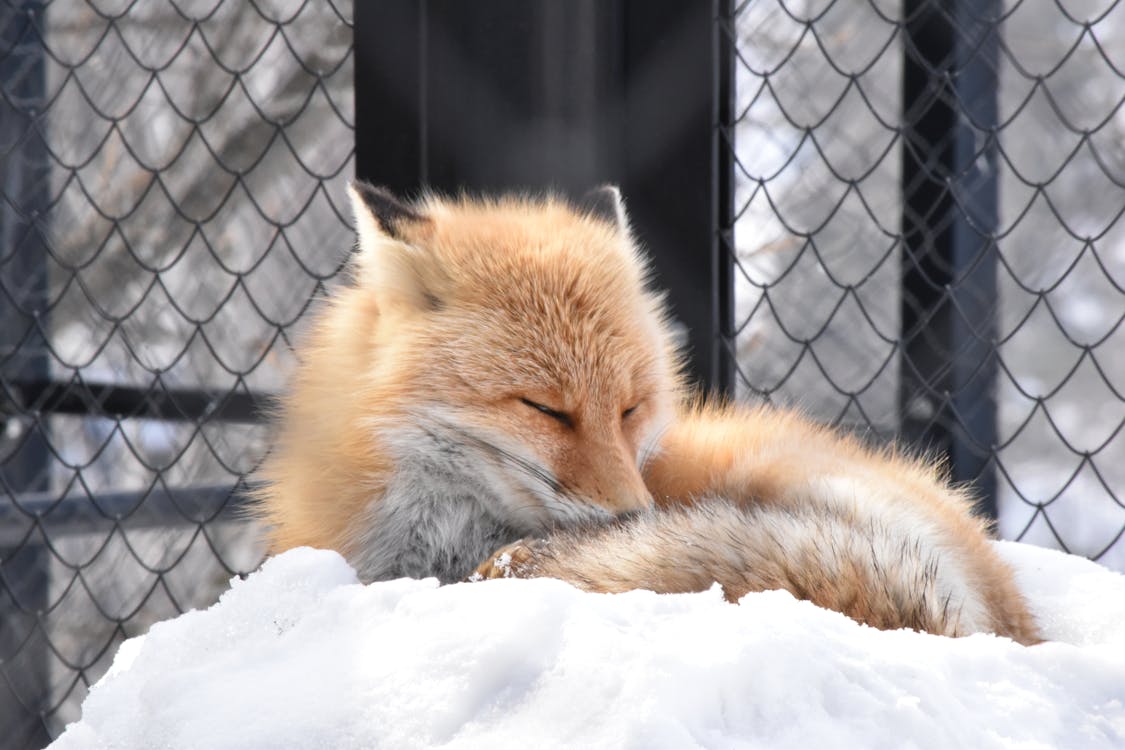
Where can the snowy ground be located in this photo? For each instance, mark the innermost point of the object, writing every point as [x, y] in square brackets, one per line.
[302, 656]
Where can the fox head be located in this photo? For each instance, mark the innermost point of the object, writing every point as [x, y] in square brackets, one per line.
[517, 341]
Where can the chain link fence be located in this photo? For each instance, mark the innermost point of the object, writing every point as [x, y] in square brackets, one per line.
[841, 300]
[173, 181]
[172, 200]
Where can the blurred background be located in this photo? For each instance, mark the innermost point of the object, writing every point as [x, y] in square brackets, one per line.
[902, 217]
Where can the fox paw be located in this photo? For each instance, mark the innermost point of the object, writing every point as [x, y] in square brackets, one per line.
[512, 561]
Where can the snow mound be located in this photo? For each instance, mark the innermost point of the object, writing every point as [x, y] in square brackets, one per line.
[300, 655]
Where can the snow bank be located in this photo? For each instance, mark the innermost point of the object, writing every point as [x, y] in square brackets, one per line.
[300, 655]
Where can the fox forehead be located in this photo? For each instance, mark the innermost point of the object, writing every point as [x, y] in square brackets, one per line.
[524, 337]
[544, 245]
[576, 365]
[560, 297]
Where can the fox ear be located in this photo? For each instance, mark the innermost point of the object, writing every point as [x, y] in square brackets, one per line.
[605, 203]
[378, 212]
[392, 263]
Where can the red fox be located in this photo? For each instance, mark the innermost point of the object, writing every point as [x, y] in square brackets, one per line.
[500, 370]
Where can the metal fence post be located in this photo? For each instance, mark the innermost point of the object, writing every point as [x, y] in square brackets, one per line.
[723, 251]
[950, 216]
[564, 94]
[24, 177]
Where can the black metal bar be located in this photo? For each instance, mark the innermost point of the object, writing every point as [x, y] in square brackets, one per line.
[83, 398]
[976, 255]
[24, 185]
[158, 507]
[950, 216]
[24, 672]
[726, 37]
[24, 195]
[559, 94]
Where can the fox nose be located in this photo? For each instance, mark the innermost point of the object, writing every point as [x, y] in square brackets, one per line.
[631, 496]
[616, 484]
[630, 493]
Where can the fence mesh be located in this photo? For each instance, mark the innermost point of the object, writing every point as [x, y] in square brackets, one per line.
[822, 137]
[171, 201]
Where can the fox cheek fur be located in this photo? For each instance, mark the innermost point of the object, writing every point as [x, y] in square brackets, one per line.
[483, 378]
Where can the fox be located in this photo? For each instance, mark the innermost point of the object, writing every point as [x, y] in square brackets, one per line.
[499, 392]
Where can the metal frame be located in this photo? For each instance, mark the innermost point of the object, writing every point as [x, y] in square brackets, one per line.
[950, 217]
[25, 171]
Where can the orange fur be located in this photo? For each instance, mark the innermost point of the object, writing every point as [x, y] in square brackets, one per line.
[503, 360]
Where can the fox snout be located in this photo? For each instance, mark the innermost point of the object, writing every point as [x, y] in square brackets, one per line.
[620, 488]
[633, 498]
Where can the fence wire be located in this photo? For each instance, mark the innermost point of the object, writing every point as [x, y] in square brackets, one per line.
[172, 182]
[171, 200]
[828, 315]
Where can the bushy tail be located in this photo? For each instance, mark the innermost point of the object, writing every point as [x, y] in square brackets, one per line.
[881, 575]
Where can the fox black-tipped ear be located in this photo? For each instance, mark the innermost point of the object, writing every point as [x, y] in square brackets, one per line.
[377, 209]
[393, 261]
[605, 202]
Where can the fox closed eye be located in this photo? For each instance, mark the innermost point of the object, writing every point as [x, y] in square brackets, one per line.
[563, 417]
[558, 416]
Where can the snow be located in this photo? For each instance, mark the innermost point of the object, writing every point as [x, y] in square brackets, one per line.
[300, 655]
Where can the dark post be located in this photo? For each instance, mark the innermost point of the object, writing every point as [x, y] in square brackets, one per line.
[24, 186]
[562, 94]
[724, 362]
[950, 216]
